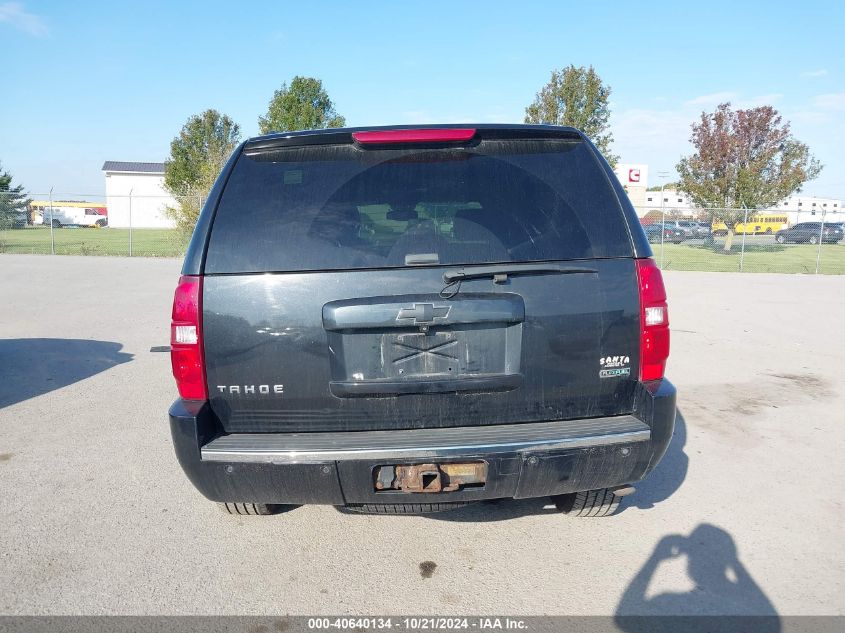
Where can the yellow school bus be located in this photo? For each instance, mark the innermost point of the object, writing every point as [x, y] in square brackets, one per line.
[758, 224]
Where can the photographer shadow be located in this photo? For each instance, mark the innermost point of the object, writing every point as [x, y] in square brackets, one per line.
[722, 587]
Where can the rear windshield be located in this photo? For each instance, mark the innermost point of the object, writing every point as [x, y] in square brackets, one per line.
[339, 207]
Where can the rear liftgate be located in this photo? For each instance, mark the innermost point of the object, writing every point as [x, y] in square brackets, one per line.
[422, 344]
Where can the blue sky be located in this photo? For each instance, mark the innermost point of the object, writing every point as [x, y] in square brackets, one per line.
[86, 82]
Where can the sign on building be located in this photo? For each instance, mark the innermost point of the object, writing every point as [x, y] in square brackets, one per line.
[634, 179]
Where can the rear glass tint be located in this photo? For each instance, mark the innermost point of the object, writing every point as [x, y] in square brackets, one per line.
[338, 207]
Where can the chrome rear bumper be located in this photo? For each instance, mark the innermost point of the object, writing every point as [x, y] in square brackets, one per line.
[294, 448]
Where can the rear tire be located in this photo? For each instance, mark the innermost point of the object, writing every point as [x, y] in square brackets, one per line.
[403, 508]
[251, 509]
[780, 239]
[814, 239]
[590, 503]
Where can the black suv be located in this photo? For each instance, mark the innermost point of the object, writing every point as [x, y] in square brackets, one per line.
[409, 320]
[809, 232]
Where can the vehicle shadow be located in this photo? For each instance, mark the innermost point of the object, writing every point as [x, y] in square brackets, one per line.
[722, 587]
[497, 510]
[30, 367]
[668, 476]
[481, 511]
[658, 486]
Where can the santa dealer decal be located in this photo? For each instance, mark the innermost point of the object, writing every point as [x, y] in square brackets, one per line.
[614, 366]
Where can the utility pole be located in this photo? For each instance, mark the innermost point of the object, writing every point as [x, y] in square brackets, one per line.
[821, 239]
[744, 233]
[130, 220]
[52, 241]
[662, 175]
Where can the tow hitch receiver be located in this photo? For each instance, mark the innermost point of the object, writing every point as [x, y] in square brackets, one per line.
[430, 477]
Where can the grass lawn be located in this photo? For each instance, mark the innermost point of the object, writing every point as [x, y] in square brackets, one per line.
[759, 258]
[92, 241]
[762, 254]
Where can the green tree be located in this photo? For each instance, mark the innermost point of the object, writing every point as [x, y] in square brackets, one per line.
[196, 157]
[13, 201]
[304, 105]
[744, 159]
[576, 96]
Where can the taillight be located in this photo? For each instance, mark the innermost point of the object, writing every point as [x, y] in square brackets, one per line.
[423, 135]
[186, 339]
[654, 321]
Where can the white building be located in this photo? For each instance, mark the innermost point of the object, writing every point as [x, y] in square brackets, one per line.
[634, 179]
[670, 200]
[135, 195]
[801, 208]
[797, 208]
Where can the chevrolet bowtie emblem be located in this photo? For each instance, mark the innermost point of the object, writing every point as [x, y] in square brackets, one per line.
[424, 313]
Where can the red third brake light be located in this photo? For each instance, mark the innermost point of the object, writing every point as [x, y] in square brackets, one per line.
[414, 136]
[654, 321]
[186, 339]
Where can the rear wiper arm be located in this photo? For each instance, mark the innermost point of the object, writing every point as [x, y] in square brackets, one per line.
[500, 273]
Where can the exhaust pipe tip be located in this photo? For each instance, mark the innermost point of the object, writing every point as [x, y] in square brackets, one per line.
[623, 491]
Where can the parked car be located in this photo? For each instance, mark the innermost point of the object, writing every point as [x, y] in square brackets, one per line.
[408, 320]
[839, 225]
[671, 233]
[688, 227]
[679, 225]
[700, 230]
[693, 229]
[810, 232]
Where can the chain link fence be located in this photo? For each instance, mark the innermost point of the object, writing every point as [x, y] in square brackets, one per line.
[128, 226]
[682, 239]
[771, 241]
